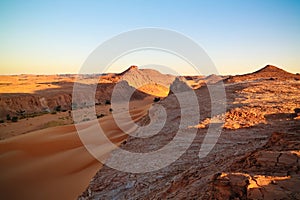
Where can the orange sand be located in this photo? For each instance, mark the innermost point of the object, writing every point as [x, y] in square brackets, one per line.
[155, 90]
[53, 163]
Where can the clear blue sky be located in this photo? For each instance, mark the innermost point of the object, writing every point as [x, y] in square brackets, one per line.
[49, 37]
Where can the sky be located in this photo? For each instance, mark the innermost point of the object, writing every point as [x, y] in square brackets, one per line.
[240, 36]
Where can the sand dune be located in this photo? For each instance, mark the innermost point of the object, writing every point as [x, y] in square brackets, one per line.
[53, 163]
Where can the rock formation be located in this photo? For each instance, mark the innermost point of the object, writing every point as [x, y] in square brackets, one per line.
[269, 72]
[256, 156]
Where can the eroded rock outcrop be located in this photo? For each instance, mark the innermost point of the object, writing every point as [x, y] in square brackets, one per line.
[271, 172]
[248, 162]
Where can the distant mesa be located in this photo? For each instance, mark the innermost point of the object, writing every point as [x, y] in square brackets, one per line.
[132, 67]
[37, 94]
[138, 77]
[271, 69]
[269, 72]
[149, 81]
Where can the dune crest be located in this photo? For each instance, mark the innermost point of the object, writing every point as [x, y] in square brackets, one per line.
[53, 163]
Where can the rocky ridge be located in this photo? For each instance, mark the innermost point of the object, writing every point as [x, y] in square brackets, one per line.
[60, 94]
[257, 152]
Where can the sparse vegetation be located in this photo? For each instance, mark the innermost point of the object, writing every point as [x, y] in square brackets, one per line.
[21, 112]
[156, 99]
[110, 109]
[35, 114]
[107, 102]
[1, 121]
[8, 117]
[58, 108]
[14, 119]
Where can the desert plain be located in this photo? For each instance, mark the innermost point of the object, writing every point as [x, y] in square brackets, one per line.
[256, 155]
